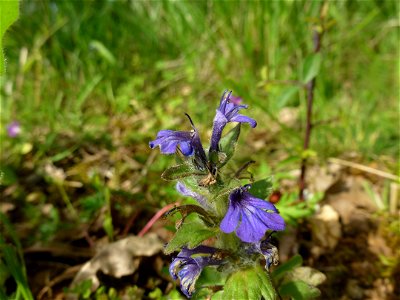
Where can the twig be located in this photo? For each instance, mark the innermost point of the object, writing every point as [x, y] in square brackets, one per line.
[363, 168]
[393, 201]
[67, 274]
[317, 37]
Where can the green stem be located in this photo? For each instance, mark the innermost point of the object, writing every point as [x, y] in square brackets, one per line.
[66, 200]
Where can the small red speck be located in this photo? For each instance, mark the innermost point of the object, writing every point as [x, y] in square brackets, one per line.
[275, 197]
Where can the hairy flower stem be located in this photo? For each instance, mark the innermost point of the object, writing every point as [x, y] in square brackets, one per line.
[317, 38]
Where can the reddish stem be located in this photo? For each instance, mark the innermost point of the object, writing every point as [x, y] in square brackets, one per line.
[317, 37]
[157, 216]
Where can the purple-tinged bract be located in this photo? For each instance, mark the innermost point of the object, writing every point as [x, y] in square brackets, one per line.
[228, 111]
[183, 190]
[250, 217]
[267, 249]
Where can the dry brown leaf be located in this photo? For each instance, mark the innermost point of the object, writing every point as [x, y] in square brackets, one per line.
[309, 275]
[118, 259]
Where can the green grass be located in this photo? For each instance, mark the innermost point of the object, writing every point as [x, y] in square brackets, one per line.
[87, 62]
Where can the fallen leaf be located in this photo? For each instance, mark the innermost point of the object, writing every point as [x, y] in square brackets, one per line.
[118, 259]
[308, 275]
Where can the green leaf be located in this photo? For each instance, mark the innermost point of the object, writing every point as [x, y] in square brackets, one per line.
[286, 96]
[311, 67]
[261, 188]
[103, 51]
[180, 171]
[108, 222]
[299, 290]
[16, 269]
[7, 176]
[252, 283]
[309, 153]
[293, 262]
[211, 277]
[190, 235]
[86, 91]
[218, 296]
[9, 11]
[294, 212]
[228, 144]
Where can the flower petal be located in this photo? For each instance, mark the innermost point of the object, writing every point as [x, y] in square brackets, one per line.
[244, 119]
[219, 124]
[168, 140]
[250, 229]
[257, 202]
[168, 147]
[231, 219]
[271, 220]
[186, 148]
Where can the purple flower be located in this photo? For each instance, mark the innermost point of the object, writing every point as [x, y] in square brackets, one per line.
[168, 140]
[235, 100]
[227, 112]
[189, 264]
[189, 143]
[183, 190]
[250, 217]
[13, 129]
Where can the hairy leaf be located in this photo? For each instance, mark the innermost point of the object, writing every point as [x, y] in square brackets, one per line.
[189, 235]
[261, 188]
[180, 171]
[252, 283]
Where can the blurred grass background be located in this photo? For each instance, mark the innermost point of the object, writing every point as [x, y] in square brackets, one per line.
[91, 83]
[87, 77]
[74, 66]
